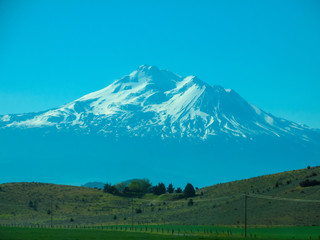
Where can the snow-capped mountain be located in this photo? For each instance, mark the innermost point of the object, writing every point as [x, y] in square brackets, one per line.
[153, 124]
[153, 102]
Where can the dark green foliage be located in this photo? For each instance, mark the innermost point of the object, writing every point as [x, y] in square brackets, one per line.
[108, 188]
[136, 187]
[121, 186]
[308, 183]
[115, 217]
[71, 220]
[170, 188]
[139, 186]
[190, 202]
[189, 191]
[178, 190]
[311, 175]
[33, 205]
[159, 189]
[138, 210]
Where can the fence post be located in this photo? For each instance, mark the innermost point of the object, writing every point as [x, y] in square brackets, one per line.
[245, 215]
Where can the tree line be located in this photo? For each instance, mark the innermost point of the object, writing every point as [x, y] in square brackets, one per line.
[142, 186]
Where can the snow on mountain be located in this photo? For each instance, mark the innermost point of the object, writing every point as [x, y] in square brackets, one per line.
[153, 102]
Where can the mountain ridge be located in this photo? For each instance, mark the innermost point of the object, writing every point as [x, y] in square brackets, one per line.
[138, 127]
[161, 103]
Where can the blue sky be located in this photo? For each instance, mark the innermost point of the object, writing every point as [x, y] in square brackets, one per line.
[52, 52]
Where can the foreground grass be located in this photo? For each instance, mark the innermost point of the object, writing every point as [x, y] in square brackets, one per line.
[79, 234]
[276, 233]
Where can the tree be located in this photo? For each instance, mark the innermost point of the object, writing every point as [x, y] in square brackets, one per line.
[145, 185]
[189, 190]
[178, 190]
[159, 189]
[120, 186]
[170, 188]
[139, 186]
[134, 186]
[108, 188]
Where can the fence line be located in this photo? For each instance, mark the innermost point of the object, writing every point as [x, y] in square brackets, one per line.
[282, 199]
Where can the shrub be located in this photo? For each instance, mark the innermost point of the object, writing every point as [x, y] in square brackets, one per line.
[308, 183]
[34, 205]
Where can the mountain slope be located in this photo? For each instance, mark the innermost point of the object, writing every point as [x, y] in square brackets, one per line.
[153, 102]
[154, 124]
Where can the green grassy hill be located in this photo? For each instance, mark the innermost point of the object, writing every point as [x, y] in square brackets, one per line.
[221, 204]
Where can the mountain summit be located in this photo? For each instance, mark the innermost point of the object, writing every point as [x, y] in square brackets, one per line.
[158, 103]
[153, 124]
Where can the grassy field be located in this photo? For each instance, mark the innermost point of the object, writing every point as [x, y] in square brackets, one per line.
[220, 204]
[76, 234]
[180, 232]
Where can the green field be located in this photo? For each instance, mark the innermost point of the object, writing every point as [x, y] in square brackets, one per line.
[155, 232]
